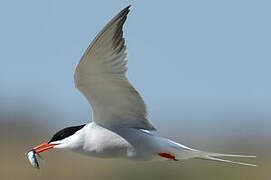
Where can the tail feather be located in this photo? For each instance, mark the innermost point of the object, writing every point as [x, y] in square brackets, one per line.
[231, 155]
[228, 161]
[214, 157]
[180, 152]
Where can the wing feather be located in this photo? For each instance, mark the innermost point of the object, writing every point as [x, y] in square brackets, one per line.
[100, 76]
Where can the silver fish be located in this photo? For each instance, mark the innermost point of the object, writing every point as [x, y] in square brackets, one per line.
[31, 155]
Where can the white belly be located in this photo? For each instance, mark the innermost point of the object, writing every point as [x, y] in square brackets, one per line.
[119, 143]
[128, 143]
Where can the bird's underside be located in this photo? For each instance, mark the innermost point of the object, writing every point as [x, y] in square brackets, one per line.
[120, 127]
[135, 144]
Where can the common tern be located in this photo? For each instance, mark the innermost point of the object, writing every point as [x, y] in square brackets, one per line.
[120, 128]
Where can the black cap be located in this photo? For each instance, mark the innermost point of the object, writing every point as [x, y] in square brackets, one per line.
[64, 133]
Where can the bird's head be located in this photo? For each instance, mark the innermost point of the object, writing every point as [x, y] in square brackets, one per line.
[66, 138]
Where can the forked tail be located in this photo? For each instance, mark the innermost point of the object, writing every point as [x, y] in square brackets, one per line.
[179, 152]
[214, 157]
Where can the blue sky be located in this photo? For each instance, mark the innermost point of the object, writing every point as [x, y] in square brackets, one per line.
[194, 62]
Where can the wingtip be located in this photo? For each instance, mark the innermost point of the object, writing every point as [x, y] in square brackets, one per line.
[126, 10]
[123, 13]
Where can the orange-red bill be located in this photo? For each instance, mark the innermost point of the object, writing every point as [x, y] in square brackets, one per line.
[43, 147]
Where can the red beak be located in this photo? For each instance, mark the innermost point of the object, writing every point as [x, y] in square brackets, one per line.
[43, 147]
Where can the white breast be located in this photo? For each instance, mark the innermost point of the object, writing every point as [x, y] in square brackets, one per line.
[101, 142]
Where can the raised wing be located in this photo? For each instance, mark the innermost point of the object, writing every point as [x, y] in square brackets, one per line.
[100, 76]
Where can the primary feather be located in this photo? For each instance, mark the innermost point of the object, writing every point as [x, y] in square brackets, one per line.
[100, 76]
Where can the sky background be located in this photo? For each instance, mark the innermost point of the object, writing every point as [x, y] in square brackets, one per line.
[200, 66]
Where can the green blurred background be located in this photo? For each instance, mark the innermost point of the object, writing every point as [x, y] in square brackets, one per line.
[203, 68]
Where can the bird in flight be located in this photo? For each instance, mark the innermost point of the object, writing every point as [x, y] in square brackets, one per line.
[120, 128]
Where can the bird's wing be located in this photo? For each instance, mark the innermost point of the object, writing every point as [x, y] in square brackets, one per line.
[100, 76]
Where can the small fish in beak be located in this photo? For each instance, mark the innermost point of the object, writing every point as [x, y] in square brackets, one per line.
[31, 155]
